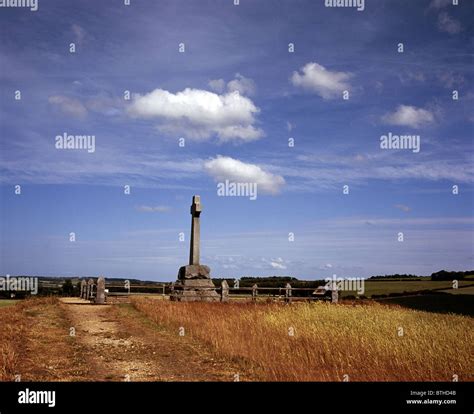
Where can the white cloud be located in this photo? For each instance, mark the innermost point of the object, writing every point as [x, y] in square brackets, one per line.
[152, 209]
[199, 114]
[226, 168]
[318, 79]
[447, 24]
[69, 106]
[277, 265]
[406, 115]
[217, 85]
[241, 84]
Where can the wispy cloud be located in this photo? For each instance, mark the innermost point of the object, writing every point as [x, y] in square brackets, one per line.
[79, 33]
[440, 4]
[243, 85]
[448, 24]
[69, 106]
[153, 209]
[403, 207]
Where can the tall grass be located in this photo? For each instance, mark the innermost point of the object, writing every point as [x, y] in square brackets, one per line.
[15, 327]
[325, 342]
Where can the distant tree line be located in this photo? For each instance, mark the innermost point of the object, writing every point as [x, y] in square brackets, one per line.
[441, 275]
[395, 276]
[446, 275]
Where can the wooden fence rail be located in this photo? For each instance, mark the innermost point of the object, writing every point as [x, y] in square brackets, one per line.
[226, 292]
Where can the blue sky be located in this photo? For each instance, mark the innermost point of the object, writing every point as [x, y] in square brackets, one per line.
[236, 95]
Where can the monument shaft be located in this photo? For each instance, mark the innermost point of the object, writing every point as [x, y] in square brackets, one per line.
[195, 231]
[195, 240]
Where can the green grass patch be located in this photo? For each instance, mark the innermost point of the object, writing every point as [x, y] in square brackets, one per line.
[386, 287]
[7, 302]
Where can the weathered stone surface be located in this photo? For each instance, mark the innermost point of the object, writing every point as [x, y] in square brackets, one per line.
[195, 283]
[224, 291]
[90, 289]
[195, 295]
[288, 293]
[100, 295]
[190, 290]
[83, 289]
[194, 272]
[194, 248]
[194, 280]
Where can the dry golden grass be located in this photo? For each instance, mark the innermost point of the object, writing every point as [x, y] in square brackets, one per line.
[15, 329]
[329, 341]
[12, 333]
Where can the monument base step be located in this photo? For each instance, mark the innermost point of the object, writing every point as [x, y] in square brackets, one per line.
[195, 295]
[195, 290]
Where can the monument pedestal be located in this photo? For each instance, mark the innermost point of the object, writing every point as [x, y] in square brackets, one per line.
[194, 284]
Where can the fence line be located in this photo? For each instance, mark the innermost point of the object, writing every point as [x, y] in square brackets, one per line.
[226, 292]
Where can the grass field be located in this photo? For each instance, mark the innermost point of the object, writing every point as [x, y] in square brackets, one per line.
[304, 341]
[465, 291]
[324, 342]
[387, 287]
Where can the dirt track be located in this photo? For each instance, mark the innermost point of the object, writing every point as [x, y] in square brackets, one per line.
[115, 343]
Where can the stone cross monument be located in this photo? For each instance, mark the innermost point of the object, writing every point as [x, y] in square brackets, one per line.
[194, 281]
[195, 231]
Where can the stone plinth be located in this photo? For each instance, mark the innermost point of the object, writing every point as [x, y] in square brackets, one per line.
[194, 284]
